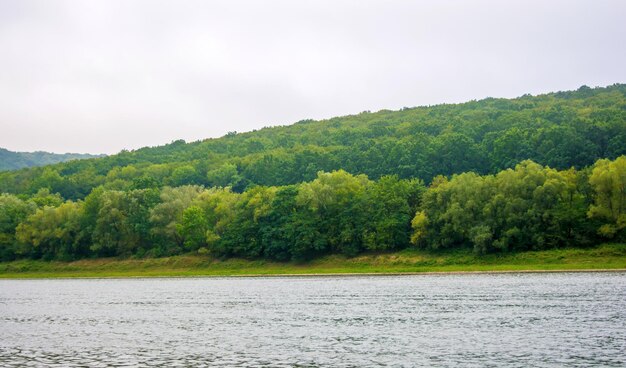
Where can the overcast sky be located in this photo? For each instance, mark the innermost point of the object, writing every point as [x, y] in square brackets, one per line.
[100, 76]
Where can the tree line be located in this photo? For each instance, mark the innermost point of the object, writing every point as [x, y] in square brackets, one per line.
[527, 207]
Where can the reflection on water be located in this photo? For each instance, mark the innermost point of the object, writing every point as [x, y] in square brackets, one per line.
[520, 320]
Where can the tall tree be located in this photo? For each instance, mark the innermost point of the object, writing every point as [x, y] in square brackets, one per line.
[608, 180]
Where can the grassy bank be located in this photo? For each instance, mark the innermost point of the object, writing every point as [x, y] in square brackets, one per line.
[607, 256]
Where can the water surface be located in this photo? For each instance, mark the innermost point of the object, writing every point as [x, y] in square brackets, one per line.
[519, 320]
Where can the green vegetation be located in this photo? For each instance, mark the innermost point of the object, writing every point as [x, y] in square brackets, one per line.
[492, 177]
[604, 257]
[559, 130]
[530, 207]
[16, 160]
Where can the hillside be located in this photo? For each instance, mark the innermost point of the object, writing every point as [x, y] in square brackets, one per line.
[10, 160]
[491, 177]
[561, 130]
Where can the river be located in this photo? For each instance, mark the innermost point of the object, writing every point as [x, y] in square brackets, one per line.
[469, 320]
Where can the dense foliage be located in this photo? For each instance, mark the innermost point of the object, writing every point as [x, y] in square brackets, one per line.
[530, 207]
[560, 130]
[16, 160]
[526, 208]
[493, 175]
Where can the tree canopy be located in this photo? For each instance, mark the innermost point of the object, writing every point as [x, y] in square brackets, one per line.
[560, 130]
[528, 207]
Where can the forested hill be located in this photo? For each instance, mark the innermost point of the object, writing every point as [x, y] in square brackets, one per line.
[10, 160]
[523, 174]
[560, 130]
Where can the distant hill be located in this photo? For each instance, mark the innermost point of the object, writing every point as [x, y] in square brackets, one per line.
[10, 160]
[560, 130]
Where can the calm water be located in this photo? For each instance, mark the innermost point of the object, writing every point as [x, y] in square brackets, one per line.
[521, 320]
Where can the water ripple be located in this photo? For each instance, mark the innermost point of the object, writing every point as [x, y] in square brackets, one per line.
[540, 320]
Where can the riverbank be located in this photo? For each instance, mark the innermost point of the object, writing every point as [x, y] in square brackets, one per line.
[603, 257]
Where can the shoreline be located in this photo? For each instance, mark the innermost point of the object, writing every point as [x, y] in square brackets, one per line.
[603, 258]
[304, 275]
[34, 276]
[428, 273]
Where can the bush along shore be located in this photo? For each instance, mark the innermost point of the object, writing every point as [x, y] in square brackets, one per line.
[408, 261]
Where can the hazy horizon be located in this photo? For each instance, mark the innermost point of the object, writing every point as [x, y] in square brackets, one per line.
[104, 76]
[295, 121]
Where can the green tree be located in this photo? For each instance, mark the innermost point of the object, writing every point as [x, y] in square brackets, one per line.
[43, 198]
[608, 180]
[122, 226]
[389, 212]
[226, 175]
[183, 175]
[219, 209]
[51, 232]
[335, 201]
[242, 236]
[166, 216]
[193, 228]
[13, 211]
[278, 229]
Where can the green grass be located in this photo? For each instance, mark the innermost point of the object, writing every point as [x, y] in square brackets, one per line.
[606, 256]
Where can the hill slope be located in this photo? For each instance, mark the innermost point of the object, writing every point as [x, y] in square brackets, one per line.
[10, 160]
[279, 193]
[561, 130]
